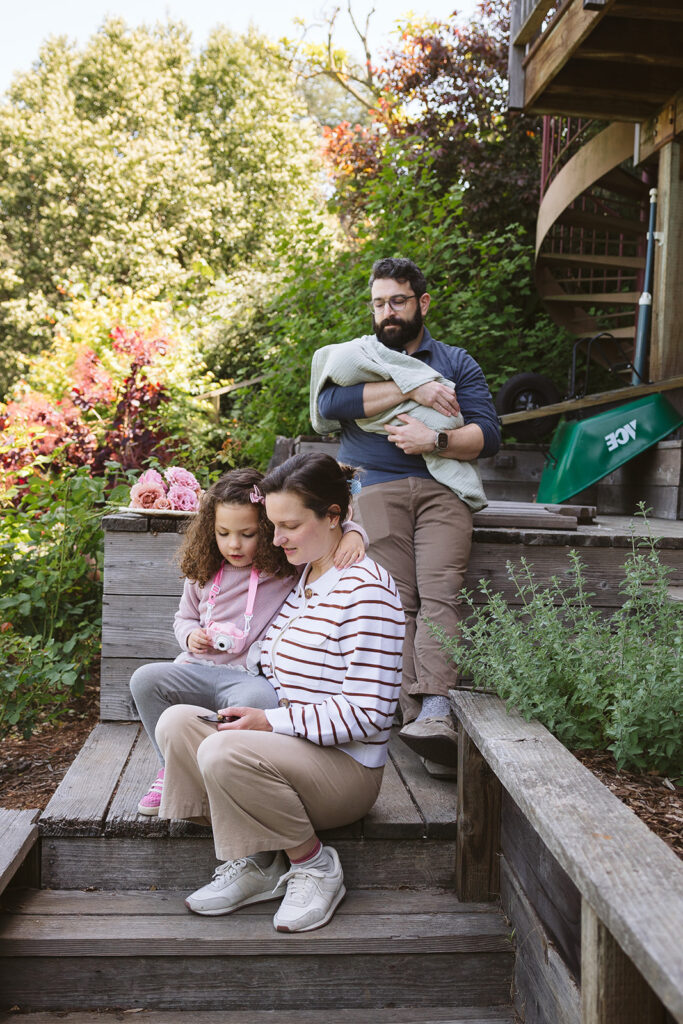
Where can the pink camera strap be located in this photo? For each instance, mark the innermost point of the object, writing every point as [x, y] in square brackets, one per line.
[251, 596]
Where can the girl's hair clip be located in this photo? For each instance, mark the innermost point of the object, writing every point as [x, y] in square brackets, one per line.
[256, 496]
[355, 485]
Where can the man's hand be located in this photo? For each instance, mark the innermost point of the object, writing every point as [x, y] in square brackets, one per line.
[436, 396]
[412, 436]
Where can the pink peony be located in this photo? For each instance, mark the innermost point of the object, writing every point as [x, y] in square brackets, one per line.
[145, 495]
[184, 499]
[150, 476]
[176, 476]
[162, 503]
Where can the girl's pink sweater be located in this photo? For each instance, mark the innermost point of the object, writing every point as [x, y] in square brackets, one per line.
[229, 607]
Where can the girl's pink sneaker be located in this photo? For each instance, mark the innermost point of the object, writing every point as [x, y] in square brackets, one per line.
[151, 800]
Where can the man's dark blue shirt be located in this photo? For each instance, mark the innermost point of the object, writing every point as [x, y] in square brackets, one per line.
[381, 459]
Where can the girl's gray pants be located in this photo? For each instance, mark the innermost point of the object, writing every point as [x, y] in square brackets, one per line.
[157, 686]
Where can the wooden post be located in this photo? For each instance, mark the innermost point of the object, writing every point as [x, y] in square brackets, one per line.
[666, 346]
[477, 845]
[613, 991]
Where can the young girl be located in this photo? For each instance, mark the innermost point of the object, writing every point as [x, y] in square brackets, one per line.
[234, 577]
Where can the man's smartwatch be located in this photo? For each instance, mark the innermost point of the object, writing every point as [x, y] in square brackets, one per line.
[440, 440]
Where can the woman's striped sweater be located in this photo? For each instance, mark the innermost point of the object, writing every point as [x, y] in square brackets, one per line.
[334, 656]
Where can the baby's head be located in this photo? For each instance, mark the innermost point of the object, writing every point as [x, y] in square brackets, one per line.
[230, 526]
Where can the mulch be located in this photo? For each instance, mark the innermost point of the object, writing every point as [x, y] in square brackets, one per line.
[31, 769]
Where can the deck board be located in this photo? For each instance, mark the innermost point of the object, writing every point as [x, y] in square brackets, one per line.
[18, 833]
[79, 805]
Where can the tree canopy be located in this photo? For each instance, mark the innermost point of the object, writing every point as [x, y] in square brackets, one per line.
[131, 162]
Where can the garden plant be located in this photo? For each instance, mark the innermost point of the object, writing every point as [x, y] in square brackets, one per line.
[598, 682]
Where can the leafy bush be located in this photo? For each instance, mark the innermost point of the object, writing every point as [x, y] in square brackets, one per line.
[118, 383]
[614, 684]
[481, 287]
[51, 595]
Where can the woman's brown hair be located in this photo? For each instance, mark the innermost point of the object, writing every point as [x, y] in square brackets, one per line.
[318, 479]
[199, 557]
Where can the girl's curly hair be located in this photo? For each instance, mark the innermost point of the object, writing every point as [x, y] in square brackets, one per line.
[199, 557]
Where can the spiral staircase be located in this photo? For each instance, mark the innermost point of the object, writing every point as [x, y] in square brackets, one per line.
[591, 235]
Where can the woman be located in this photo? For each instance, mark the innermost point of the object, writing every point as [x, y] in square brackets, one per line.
[269, 779]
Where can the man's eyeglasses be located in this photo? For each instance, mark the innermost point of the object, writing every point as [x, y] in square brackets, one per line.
[395, 302]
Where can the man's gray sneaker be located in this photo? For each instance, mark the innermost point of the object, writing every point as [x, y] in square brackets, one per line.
[433, 738]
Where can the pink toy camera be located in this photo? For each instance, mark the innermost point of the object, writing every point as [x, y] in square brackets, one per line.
[225, 636]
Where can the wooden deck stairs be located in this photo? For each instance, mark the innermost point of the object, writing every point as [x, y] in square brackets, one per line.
[591, 233]
[107, 929]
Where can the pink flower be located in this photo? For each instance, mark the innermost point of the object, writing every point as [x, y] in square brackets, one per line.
[144, 495]
[176, 476]
[150, 476]
[162, 503]
[184, 499]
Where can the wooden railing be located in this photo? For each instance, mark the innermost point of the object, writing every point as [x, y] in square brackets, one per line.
[528, 20]
[606, 885]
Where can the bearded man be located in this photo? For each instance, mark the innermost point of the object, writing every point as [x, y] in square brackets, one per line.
[415, 414]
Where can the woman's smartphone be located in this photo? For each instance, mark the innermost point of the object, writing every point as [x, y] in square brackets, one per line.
[217, 719]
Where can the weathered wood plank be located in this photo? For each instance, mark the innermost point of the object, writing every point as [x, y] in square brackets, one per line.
[612, 990]
[629, 876]
[137, 626]
[394, 815]
[258, 982]
[477, 869]
[246, 935]
[142, 563]
[545, 990]
[127, 862]
[436, 798]
[80, 803]
[116, 701]
[169, 902]
[123, 817]
[548, 888]
[18, 834]
[380, 1015]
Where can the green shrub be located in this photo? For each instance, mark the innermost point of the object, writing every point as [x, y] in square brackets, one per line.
[595, 682]
[50, 595]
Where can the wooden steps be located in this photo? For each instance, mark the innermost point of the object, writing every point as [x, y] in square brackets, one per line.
[93, 817]
[131, 949]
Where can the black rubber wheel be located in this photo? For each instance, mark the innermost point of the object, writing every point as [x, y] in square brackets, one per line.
[528, 391]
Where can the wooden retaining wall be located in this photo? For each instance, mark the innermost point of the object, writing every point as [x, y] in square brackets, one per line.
[594, 897]
[142, 583]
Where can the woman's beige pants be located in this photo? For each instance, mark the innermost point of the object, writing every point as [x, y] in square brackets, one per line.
[258, 790]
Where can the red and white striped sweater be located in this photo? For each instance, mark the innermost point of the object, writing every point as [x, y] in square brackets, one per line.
[334, 654]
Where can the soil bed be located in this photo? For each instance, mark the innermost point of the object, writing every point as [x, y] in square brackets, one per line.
[31, 770]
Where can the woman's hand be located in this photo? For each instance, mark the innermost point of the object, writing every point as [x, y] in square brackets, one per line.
[350, 549]
[198, 642]
[247, 718]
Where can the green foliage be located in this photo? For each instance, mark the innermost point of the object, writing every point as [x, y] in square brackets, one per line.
[51, 595]
[482, 299]
[613, 684]
[131, 162]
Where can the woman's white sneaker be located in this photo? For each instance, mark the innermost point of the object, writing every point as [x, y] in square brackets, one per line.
[237, 883]
[312, 896]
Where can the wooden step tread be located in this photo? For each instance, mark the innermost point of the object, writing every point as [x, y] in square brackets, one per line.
[602, 260]
[100, 793]
[377, 1015]
[18, 833]
[158, 924]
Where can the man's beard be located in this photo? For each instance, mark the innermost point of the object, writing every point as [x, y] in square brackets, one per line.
[402, 331]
